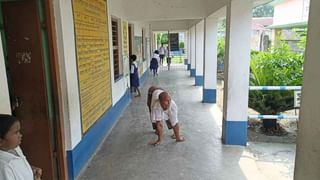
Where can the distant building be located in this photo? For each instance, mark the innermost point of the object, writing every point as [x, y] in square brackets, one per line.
[261, 36]
[289, 15]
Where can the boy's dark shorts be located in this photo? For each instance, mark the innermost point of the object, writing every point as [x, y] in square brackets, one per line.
[168, 123]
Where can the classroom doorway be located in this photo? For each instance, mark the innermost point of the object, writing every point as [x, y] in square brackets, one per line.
[30, 79]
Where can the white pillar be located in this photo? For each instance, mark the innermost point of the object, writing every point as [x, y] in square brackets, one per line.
[237, 59]
[210, 61]
[199, 53]
[307, 164]
[193, 51]
[4, 91]
[186, 44]
[189, 50]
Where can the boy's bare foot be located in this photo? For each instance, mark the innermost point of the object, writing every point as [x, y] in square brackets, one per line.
[157, 142]
[181, 139]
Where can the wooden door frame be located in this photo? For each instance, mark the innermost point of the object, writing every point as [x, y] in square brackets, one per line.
[131, 34]
[58, 129]
[56, 89]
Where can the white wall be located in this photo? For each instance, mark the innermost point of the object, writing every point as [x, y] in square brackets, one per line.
[193, 47]
[68, 70]
[199, 48]
[120, 86]
[210, 64]
[291, 11]
[138, 26]
[116, 8]
[4, 92]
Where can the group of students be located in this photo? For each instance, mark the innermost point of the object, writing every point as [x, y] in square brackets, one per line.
[156, 61]
[13, 163]
[161, 107]
[158, 58]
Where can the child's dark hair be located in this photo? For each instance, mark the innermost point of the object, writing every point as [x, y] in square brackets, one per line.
[133, 57]
[6, 121]
[156, 52]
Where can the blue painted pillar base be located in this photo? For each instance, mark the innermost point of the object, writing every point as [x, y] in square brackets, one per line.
[193, 72]
[199, 80]
[209, 96]
[188, 67]
[234, 132]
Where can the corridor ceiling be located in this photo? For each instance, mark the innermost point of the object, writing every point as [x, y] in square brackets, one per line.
[177, 14]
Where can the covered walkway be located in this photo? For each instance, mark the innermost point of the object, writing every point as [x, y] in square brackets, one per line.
[125, 153]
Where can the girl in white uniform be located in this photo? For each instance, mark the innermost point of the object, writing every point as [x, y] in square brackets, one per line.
[13, 164]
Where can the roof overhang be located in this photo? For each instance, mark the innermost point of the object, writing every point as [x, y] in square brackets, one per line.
[289, 25]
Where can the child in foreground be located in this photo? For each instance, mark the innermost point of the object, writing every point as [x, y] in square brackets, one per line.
[13, 164]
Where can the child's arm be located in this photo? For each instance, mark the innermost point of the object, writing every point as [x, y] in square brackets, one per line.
[37, 172]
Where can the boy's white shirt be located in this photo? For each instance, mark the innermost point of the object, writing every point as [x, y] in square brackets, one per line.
[14, 167]
[158, 114]
[133, 65]
[157, 57]
[162, 50]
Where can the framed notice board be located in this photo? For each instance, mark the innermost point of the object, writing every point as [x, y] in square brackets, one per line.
[93, 59]
[174, 41]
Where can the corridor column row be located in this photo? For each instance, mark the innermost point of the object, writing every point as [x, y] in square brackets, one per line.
[203, 66]
[199, 52]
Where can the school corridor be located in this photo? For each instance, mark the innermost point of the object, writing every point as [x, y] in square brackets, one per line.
[125, 153]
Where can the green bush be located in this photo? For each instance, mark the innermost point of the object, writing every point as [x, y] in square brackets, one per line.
[220, 53]
[278, 66]
[181, 45]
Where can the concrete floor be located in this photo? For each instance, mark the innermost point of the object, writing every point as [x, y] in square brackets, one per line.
[125, 154]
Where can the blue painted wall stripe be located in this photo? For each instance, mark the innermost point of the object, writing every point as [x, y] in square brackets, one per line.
[192, 72]
[199, 80]
[79, 156]
[144, 77]
[209, 95]
[235, 132]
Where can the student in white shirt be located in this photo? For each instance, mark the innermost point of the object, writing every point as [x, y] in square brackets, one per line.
[162, 51]
[13, 164]
[163, 108]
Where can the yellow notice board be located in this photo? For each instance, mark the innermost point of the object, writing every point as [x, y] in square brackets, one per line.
[125, 47]
[92, 45]
[125, 38]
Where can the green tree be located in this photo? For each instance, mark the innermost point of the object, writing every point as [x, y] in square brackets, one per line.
[221, 50]
[162, 38]
[263, 11]
[181, 44]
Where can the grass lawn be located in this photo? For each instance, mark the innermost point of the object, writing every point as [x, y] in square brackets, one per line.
[177, 60]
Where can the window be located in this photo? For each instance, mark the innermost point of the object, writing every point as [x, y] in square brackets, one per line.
[117, 62]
